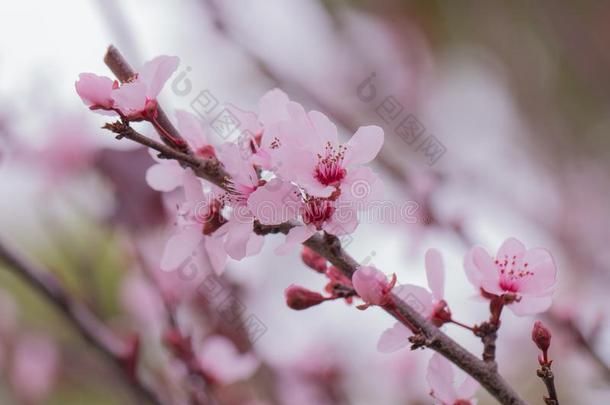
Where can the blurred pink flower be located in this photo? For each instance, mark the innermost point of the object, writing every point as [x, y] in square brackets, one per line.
[528, 275]
[35, 367]
[441, 380]
[219, 357]
[372, 285]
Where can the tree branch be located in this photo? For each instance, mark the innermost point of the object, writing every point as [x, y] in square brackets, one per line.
[86, 323]
[330, 247]
[546, 375]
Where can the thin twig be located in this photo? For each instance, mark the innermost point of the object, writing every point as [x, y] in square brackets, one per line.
[84, 321]
[546, 375]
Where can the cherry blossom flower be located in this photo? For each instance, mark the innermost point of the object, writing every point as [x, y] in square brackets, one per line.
[220, 358]
[311, 155]
[135, 99]
[259, 135]
[167, 174]
[372, 285]
[441, 379]
[199, 218]
[526, 277]
[430, 304]
[240, 240]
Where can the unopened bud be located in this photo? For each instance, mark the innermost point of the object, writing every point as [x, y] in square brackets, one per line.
[300, 298]
[541, 336]
[313, 260]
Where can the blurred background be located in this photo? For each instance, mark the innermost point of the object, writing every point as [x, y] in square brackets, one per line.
[496, 124]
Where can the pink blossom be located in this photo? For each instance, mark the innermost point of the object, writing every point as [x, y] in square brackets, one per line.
[35, 364]
[199, 218]
[372, 285]
[441, 379]
[136, 99]
[167, 174]
[240, 240]
[219, 357]
[259, 130]
[310, 154]
[526, 275]
[429, 303]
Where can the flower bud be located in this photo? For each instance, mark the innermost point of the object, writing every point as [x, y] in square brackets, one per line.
[313, 260]
[541, 336]
[299, 298]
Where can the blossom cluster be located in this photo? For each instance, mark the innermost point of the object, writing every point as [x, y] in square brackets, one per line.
[288, 166]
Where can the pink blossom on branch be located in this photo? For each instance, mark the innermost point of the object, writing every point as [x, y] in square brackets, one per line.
[198, 219]
[429, 303]
[135, 99]
[525, 277]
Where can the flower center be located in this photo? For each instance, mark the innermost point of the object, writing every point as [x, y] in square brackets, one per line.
[329, 170]
[316, 211]
[512, 271]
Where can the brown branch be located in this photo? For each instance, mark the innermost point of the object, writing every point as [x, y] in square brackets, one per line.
[330, 247]
[546, 375]
[84, 321]
[124, 72]
[209, 169]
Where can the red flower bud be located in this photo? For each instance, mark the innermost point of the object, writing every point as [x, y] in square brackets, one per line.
[300, 298]
[542, 337]
[313, 260]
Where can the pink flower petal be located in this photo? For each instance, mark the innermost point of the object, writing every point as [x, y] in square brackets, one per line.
[216, 253]
[394, 338]
[370, 284]
[296, 236]
[155, 73]
[435, 272]
[361, 187]
[480, 269]
[468, 388]
[190, 127]
[272, 107]
[541, 263]
[165, 177]
[417, 297]
[95, 90]
[529, 305]
[130, 98]
[193, 189]
[440, 379]
[511, 250]
[180, 246]
[325, 129]
[364, 145]
[275, 202]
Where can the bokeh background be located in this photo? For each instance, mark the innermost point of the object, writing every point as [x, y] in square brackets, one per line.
[515, 93]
